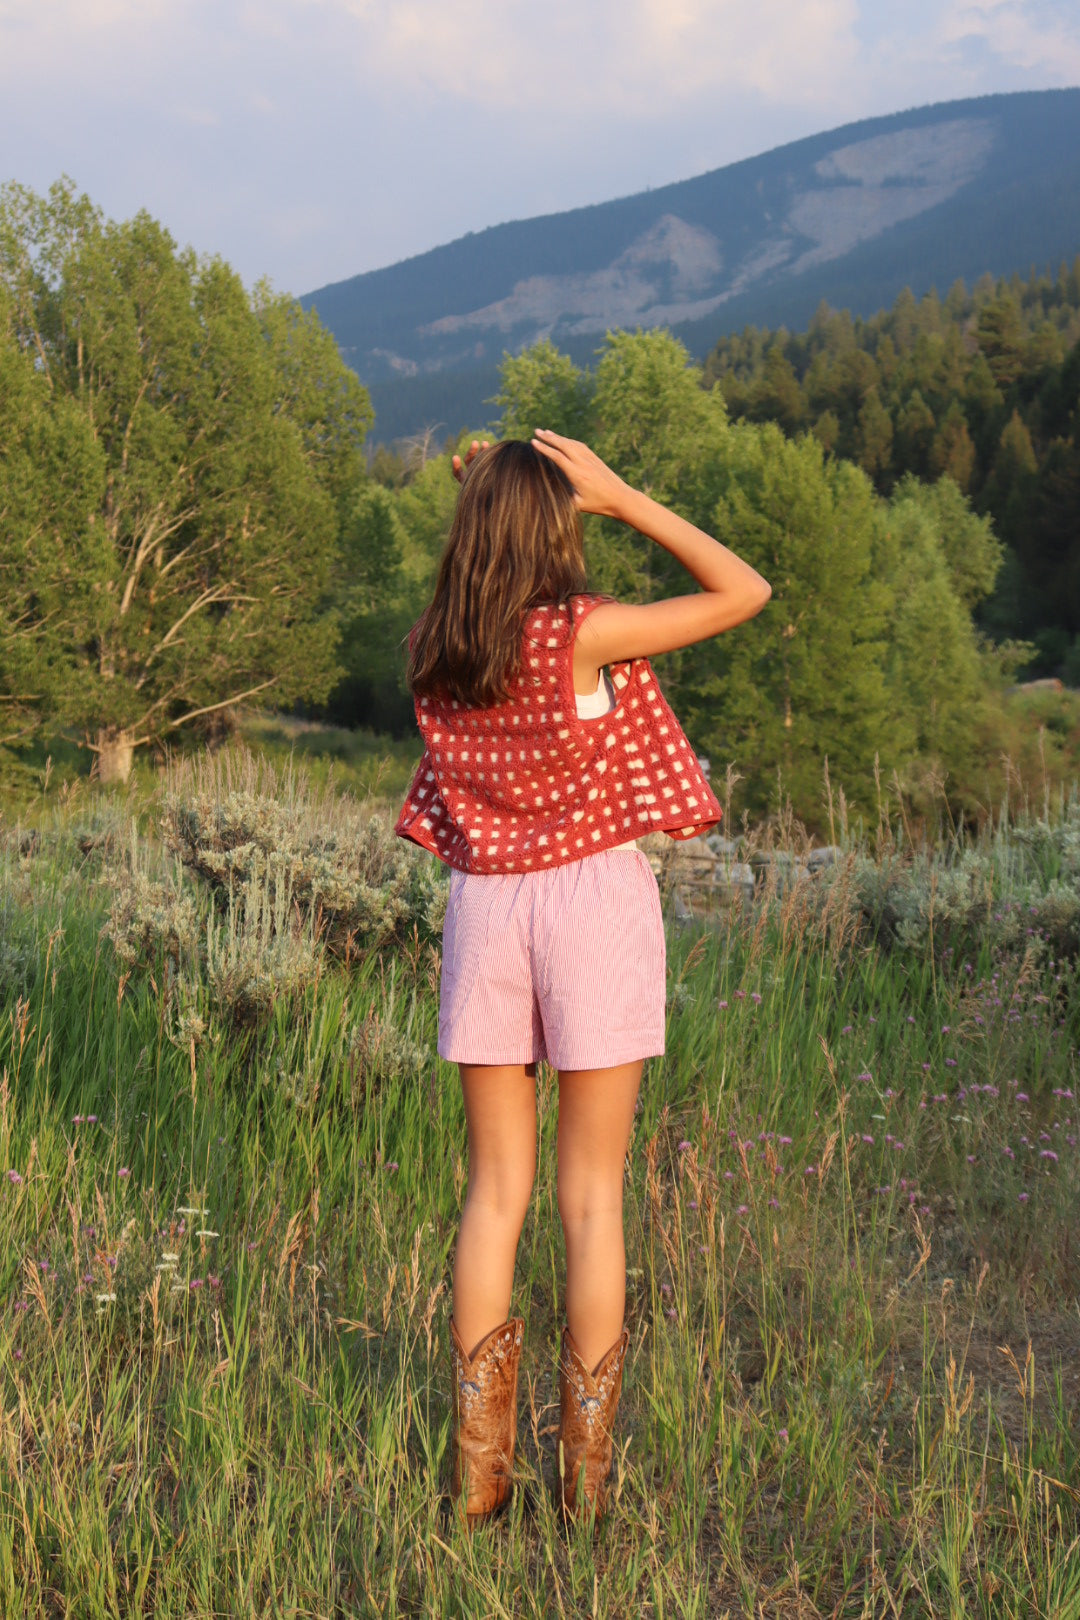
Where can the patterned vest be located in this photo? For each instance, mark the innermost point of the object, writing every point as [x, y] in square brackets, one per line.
[527, 784]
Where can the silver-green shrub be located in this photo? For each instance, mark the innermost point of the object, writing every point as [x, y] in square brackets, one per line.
[1003, 891]
[258, 950]
[235, 822]
[288, 878]
[378, 1050]
[151, 918]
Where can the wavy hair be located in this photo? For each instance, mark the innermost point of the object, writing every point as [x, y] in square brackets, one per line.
[515, 541]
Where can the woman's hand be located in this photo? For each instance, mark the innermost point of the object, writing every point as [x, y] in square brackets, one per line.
[459, 468]
[596, 487]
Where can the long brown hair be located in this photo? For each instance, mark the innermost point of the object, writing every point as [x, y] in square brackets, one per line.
[516, 540]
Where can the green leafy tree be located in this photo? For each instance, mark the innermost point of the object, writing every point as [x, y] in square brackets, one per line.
[936, 676]
[376, 601]
[52, 480]
[227, 432]
[1000, 333]
[873, 438]
[660, 430]
[914, 437]
[542, 388]
[952, 452]
[778, 397]
[972, 552]
[805, 680]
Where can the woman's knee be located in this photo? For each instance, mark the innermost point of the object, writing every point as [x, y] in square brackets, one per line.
[585, 1200]
[501, 1198]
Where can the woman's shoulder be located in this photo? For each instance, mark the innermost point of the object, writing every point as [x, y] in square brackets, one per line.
[547, 618]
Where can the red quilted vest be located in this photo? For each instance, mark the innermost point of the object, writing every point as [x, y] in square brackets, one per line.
[526, 784]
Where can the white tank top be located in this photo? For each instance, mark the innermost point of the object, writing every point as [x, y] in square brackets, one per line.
[590, 706]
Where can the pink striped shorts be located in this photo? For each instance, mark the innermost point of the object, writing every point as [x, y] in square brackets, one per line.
[565, 965]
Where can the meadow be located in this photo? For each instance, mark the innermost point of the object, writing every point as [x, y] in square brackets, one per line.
[231, 1166]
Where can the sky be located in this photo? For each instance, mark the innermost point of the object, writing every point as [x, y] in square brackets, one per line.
[308, 140]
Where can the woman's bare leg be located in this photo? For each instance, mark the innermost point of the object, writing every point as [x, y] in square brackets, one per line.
[596, 1114]
[500, 1111]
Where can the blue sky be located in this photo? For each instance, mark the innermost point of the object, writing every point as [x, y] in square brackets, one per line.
[307, 140]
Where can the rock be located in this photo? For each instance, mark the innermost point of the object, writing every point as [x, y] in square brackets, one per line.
[778, 868]
[720, 845]
[680, 910]
[823, 855]
[733, 882]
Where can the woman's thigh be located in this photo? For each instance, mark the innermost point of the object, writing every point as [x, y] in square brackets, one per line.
[500, 1113]
[596, 1117]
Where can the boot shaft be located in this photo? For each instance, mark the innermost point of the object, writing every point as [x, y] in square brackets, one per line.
[483, 1419]
[588, 1402]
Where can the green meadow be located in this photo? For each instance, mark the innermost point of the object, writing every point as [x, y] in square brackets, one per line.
[231, 1166]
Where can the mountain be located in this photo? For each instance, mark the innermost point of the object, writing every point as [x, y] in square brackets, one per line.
[851, 216]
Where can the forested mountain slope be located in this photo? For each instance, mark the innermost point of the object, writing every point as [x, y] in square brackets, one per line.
[852, 216]
[983, 386]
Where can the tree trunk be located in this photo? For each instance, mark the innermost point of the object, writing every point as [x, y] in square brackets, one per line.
[116, 751]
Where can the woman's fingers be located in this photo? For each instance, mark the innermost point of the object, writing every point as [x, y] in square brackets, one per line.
[555, 438]
[555, 451]
[459, 468]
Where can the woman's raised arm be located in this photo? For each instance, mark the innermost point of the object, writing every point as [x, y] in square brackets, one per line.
[731, 591]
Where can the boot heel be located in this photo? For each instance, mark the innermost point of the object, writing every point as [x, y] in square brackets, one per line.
[483, 1420]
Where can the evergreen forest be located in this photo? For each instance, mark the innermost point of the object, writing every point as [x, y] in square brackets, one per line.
[983, 387]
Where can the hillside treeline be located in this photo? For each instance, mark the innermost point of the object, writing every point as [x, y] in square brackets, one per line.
[188, 523]
[868, 655]
[983, 387]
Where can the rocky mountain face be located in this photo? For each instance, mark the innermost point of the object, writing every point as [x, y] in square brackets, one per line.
[850, 216]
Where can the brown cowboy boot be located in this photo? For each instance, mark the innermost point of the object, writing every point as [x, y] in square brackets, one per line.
[587, 1406]
[483, 1420]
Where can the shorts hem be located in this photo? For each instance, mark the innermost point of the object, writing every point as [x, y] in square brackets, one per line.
[609, 1058]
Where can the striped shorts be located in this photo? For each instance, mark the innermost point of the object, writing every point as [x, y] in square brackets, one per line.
[565, 965]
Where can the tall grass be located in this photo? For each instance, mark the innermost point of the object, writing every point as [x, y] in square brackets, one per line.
[851, 1203]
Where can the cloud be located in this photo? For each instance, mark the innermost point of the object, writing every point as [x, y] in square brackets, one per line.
[1033, 35]
[633, 57]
